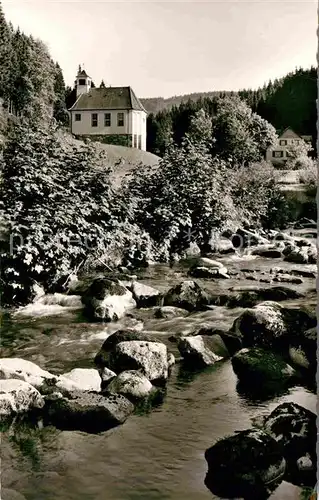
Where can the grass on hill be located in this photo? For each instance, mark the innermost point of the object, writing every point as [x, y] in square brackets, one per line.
[123, 159]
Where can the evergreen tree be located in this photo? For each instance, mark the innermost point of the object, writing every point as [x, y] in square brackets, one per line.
[70, 97]
[5, 55]
[60, 113]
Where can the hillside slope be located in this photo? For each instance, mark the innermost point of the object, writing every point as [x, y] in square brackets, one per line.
[125, 159]
[156, 104]
[122, 158]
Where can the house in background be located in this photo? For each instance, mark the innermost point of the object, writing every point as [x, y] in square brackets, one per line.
[112, 115]
[279, 154]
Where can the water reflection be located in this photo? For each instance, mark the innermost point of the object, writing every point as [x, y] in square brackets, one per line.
[240, 491]
[254, 394]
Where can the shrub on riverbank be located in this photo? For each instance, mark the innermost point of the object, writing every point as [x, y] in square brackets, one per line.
[193, 193]
[309, 177]
[186, 197]
[58, 208]
[257, 196]
[60, 211]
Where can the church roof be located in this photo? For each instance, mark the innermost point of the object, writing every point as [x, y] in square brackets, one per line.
[82, 73]
[108, 98]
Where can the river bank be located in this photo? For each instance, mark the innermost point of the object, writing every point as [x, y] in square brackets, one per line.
[159, 453]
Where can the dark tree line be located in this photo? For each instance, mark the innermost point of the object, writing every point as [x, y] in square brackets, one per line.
[285, 102]
[31, 84]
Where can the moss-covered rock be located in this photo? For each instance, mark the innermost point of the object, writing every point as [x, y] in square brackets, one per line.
[88, 412]
[244, 465]
[151, 358]
[200, 350]
[258, 365]
[131, 384]
[303, 350]
[271, 325]
[107, 300]
[263, 325]
[187, 295]
[145, 296]
[209, 273]
[250, 298]
[102, 357]
[168, 312]
[294, 429]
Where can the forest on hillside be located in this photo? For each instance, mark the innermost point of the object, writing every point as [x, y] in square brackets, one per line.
[285, 102]
[32, 86]
[211, 178]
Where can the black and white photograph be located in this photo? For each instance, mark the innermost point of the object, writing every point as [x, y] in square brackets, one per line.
[158, 249]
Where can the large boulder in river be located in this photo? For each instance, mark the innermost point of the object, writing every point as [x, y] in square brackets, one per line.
[107, 300]
[244, 465]
[131, 384]
[271, 325]
[187, 295]
[244, 238]
[249, 298]
[294, 429]
[210, 263]
[200, 350]
[263, 325]
[102, 357]
[80, 379]
[18, 396]
[231, 340]
[312, 254]
[21, 369]
[169, 312]
[208, 273]
[267, 251]
[146, 296]
[257, 365]
[87, 411]
[151, 358]
[301, 255]
[220, 245]
[303, 350]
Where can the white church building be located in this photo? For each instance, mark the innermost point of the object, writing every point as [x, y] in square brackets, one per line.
[113, 115]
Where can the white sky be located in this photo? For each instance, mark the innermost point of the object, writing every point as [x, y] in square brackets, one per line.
[173, 47]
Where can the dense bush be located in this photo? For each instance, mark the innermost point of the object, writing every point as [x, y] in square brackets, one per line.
[187, 196]
[58, 209]
[309, 177]
[240, 136]
[193, 193]
[257, 196]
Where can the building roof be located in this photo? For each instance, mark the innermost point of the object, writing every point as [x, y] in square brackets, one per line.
[108, 98]
[82, 73]
[288, 133]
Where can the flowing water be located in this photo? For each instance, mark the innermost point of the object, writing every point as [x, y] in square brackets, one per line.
[154, 456]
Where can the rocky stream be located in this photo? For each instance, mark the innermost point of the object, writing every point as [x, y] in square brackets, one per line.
[185, 382]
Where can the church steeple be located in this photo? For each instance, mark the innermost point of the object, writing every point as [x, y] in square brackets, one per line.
[83, 82]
